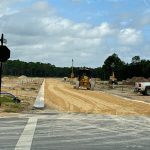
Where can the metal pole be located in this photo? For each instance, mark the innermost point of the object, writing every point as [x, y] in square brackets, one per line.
[2, 40]
[72, 66]
[72, 74]
[0, 76]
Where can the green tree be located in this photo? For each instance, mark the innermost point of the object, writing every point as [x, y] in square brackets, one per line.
[113, 63]
[136, 59]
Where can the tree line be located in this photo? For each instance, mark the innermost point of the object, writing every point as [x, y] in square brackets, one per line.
[122, 70]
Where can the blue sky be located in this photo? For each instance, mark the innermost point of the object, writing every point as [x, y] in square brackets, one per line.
[97, 11]
[55, 31]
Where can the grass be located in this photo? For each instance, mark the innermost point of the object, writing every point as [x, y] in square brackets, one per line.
[7, 104]
[6, 99]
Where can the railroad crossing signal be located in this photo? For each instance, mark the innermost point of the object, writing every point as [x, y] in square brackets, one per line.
[4, 56]
[4, 51]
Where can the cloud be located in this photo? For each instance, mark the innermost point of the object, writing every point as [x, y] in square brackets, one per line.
[130, 36]
[38, 33]
[6, 7]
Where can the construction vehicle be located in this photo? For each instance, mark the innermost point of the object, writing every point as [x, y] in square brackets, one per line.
[113, 79]
[84, 79]
[143, 87]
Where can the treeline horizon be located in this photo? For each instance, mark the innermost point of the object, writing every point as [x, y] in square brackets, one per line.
[122, 70]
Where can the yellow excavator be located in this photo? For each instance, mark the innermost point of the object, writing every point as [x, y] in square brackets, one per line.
[84, 79]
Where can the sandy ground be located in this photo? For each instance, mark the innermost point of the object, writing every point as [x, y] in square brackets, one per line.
[25, 88]
[126, 91]
[62, 96]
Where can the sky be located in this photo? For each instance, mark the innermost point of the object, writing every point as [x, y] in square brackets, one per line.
[87, 31]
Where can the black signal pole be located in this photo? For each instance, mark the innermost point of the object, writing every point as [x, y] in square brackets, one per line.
[2, 39]
[0, 76]
[1, 64]
[72, 66]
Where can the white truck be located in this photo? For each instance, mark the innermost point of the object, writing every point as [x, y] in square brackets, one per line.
[143, 87]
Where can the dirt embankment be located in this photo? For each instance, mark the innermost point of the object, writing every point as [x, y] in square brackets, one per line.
[63, 97]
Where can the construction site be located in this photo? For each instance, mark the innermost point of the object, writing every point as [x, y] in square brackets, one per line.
[65, 98]
[78, 112]
[62, 94]
[74, 75]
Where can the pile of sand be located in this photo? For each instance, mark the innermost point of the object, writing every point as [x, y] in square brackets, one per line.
[22, 77]
[135, 79]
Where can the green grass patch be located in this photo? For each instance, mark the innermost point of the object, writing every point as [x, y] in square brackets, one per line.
[13, 107]
[6, 99]
[8, 105]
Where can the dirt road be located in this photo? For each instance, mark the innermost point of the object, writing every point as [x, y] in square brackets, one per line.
[63, 97]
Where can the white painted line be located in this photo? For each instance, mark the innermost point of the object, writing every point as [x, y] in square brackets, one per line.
[25, 140]
[39, 102]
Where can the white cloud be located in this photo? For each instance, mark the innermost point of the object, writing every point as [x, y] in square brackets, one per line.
[41, 5]
[99, 31]
[6, 7]
[37, 33]
[129, 36]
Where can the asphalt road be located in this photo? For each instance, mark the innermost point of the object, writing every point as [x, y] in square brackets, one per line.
[70, 131]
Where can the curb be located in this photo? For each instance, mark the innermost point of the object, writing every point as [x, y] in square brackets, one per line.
[39, 102]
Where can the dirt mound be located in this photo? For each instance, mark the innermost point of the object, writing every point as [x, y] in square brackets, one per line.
[22, 77]
[135, 79]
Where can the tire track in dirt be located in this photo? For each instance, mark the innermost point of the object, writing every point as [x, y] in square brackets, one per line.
[82, 99]
[60, 100]
[99, 101]
[76, 103]
[131, 107]
[63, 97]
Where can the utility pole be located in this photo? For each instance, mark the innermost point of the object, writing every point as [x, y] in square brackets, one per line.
[72, 73]
[1, 65]
[113, 74]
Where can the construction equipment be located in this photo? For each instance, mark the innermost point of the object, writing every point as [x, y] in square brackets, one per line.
[143, 87]
[84, 79]
[113, 79]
